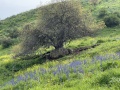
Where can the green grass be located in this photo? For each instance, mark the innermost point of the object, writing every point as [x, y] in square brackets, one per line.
[110, 5]
[87, 81]
[100, 75]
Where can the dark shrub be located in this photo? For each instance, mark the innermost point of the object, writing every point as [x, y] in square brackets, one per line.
[14, 34]
[5, 42]
[112, 20]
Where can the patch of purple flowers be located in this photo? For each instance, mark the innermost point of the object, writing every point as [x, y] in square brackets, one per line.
[76, 66]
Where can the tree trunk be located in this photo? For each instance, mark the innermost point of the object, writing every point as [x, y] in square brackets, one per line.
[58, 52]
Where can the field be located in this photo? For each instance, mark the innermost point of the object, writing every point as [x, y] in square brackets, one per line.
[96, 68]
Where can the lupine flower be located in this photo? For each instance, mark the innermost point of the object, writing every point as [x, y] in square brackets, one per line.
[76, 66]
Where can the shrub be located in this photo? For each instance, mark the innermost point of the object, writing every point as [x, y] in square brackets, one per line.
[14, 34]
[112, 20]
[5, 42]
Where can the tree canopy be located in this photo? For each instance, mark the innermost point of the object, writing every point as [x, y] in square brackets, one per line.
[57, 23]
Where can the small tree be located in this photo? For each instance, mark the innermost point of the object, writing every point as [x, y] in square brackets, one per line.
[58, 23]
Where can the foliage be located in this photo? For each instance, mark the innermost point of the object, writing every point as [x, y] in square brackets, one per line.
[12, 32]
[9, 37]
[72, 71]
[58, 23]
[67, 72]
[110, 65]
[6, 42]
[117, 14]
[107, 78]
[101, 65]
[112, 20]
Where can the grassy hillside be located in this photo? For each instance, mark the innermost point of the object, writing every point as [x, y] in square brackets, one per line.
[19, 20]
[97, 68]
[91, 67]
[30, 16]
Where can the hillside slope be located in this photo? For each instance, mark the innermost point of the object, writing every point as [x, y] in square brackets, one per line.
[31, 16]
[96, 68]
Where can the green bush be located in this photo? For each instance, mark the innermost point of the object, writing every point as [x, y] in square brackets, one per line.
[6, 42]
[112, 20]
